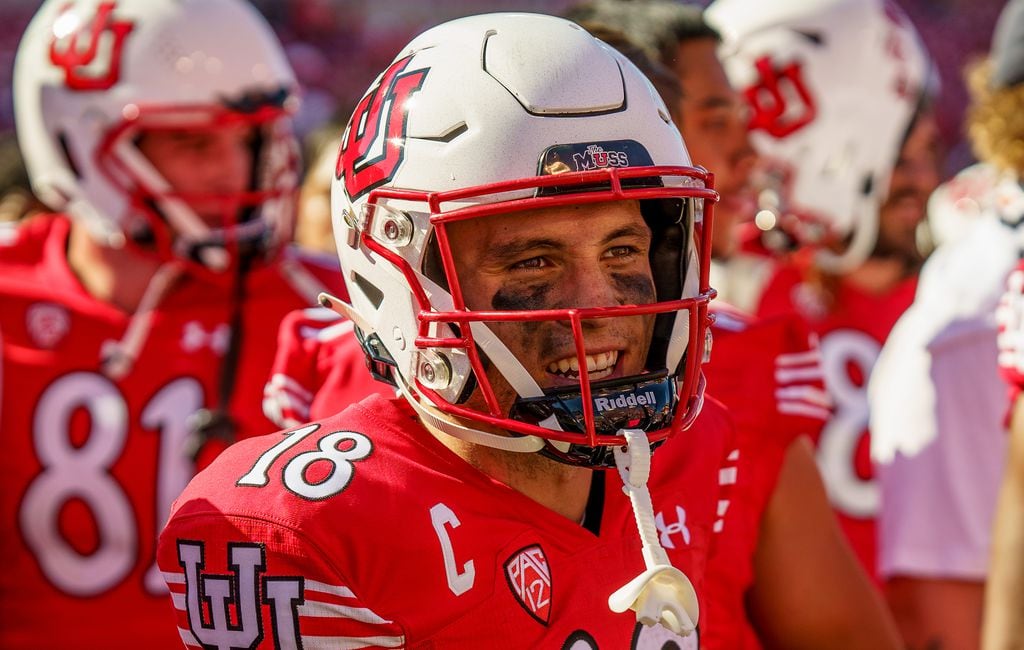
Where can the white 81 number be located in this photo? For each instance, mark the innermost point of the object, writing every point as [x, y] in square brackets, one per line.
[84, 473]
[855, 496]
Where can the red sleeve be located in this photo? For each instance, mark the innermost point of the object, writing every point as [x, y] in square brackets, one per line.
[294, 375]
[768, 373]
[319, 369]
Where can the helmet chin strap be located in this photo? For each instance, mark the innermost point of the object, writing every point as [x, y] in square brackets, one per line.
[432, 417]
[117, 358]
[662, 594]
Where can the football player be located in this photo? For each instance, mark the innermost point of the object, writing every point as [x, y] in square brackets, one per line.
[526, 247]
[138, 324]
[938, 406]
[776, 527]
[838, 96]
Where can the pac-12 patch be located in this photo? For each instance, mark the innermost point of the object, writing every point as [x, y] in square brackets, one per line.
[529, 578]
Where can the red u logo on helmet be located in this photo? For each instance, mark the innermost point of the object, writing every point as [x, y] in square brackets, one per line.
[373, 146]
[780, 102]
[82, 69]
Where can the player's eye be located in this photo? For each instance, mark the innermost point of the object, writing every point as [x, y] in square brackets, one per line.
[530, 263]
[620, 252]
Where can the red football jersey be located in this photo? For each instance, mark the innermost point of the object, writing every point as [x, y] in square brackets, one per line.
[91, 464]
[319, 369]
[768, 374]
[364, 531]
[851, 330]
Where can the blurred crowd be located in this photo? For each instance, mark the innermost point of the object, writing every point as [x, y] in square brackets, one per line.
[337, 47]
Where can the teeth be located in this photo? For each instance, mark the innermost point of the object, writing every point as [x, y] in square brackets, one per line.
[597, 364]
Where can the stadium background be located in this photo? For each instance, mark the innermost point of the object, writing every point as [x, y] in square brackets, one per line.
[338, 46]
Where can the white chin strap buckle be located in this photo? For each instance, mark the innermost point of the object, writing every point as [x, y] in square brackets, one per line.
[662, 594]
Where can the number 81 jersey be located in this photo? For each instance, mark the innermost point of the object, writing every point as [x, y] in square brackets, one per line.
[852, 324]
[91, 464]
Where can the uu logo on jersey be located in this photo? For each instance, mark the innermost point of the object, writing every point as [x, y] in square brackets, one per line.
[529, 578]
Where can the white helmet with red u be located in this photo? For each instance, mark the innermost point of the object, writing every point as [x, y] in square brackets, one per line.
[493, 114]
[92, 75]
[833, 87]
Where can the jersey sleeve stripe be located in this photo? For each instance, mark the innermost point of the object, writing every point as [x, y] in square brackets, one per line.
[329, 333]
[804, 409]
[320, 609]
[188, 638]
[281, 381]
[790, 375]
[279, 401]
[323, 587]
[351, 642]
[727, 476]
[173, 578]
[810, 357]
[811, 394]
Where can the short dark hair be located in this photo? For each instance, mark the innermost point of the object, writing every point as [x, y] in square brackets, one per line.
[656, 26]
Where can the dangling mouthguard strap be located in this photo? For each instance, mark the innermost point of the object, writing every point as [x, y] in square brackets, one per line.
[661, 594]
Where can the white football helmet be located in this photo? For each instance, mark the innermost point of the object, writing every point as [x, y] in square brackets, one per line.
[833, 87]
[494, 114]
[91, 75]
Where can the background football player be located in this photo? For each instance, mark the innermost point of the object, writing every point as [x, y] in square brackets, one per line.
[138, 324]
[938, 407]
[838, 96]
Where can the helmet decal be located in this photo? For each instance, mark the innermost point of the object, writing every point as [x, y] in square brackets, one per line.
[373, 146]
[82, 71]
[780, 102]
[585, 156]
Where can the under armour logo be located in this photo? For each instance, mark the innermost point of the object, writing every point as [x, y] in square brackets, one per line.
[240, 592]
[83, 69]
[195, 337]
[667, 531]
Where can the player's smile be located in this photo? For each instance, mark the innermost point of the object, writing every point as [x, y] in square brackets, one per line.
[600, 365]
